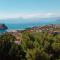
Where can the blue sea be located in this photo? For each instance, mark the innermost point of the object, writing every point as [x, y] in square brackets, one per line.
[22, 26]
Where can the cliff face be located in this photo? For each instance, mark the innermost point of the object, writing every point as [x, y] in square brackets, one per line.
[3, 27]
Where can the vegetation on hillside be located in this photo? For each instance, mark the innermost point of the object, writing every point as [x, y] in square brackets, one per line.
[33, 46]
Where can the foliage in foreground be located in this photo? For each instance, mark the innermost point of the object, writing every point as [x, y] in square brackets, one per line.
[33, 46]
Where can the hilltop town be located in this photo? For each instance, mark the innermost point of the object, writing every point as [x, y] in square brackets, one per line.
[52, 28]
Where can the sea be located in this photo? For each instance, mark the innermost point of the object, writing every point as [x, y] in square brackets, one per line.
[22, 26]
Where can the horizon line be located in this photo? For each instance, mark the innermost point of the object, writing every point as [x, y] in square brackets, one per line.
[29, 15]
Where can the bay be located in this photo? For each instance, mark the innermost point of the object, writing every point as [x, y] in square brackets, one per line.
[22, 26]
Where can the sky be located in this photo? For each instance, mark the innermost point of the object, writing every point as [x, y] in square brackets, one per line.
[29, 8]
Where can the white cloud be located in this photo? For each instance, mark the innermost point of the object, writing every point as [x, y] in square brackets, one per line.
[29, 15]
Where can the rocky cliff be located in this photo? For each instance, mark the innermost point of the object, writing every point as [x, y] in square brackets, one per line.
[3, 27]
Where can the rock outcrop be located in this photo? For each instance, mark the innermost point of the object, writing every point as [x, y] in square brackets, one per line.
[3, 27]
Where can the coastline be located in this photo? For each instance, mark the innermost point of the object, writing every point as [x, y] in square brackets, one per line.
[35, 28]
[50, 28]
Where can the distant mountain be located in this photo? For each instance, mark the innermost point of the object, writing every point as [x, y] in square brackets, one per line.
[21, 20]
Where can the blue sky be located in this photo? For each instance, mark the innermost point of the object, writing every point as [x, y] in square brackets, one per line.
[29, 8]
